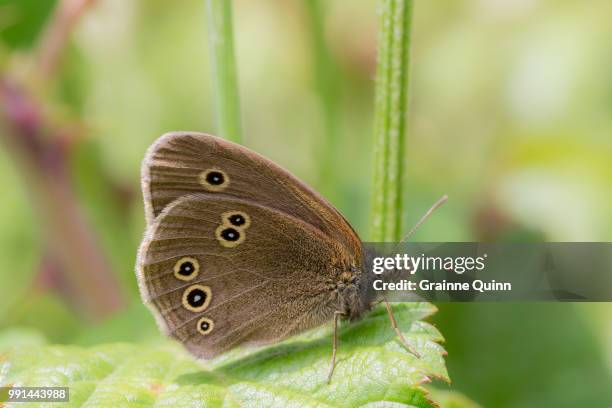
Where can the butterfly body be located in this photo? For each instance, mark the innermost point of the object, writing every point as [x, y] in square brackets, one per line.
[238, 251]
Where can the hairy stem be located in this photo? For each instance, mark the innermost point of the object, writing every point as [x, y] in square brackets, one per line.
[390, 118]
[225, 82]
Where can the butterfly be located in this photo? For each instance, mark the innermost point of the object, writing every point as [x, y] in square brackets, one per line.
[238, 251]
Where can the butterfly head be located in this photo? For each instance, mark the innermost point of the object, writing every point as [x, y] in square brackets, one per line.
[351, 288]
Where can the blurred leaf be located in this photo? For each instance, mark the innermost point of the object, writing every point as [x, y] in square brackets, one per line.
[21, 337]
[72, 85]
[372, 368]
[18, 238]
[135, 324]
[47, 312]
[22, 20]
[105, 209]
[545, 350]
[452, 399]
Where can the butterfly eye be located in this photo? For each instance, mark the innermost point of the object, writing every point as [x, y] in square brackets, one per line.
[196, 298]
[214, 179]
[229, 237]
[186, 269]
[205, 325]
[238, 219]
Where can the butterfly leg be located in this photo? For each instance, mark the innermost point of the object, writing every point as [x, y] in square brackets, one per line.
[376, 303]
[398, 331]
[337, 314]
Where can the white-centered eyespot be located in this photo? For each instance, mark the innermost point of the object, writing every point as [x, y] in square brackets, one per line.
[205, 325]
[229, 236]
[196, 298]
[238, 219]
[214, 179]
[186, 268]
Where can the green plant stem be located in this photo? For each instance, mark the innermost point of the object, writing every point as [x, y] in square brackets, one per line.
[327, 90]
[225, 82]
[390, 119]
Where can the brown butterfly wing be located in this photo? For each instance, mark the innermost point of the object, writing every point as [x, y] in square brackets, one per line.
[176, 165]
[275, 280]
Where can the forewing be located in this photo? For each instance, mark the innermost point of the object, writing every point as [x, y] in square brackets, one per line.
[179, 163]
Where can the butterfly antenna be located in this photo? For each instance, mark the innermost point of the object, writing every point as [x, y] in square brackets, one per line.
[433, 208]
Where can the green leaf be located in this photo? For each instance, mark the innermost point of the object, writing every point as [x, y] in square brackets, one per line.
[373, 369]
[22, 20]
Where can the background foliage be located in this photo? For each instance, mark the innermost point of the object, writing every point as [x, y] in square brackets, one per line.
[510, 115]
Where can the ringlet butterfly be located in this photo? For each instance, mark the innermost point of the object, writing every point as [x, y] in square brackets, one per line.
[238, 251]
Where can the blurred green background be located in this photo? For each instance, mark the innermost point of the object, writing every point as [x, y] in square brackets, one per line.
[510, 115]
